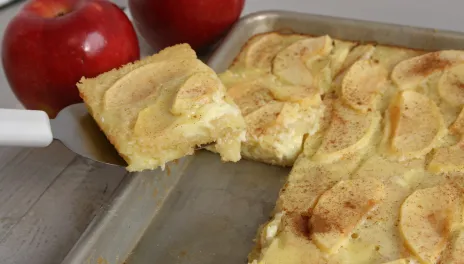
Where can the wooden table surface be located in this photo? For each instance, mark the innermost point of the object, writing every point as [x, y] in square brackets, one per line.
[48, 196]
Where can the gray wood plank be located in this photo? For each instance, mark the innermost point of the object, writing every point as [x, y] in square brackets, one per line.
[7, 154]
[47, 196]
[25, 174]
[46, 233]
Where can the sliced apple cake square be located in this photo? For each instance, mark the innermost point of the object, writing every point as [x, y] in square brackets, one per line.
[160, 108]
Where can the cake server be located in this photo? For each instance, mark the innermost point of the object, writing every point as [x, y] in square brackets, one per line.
[73, 126]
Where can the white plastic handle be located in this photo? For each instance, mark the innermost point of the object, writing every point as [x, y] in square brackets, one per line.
[24, 128]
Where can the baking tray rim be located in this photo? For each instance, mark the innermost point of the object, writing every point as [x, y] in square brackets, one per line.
[279, 14]
[105, 212]
[284, 13]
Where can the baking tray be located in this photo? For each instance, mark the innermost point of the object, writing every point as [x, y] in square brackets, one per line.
[201, 210]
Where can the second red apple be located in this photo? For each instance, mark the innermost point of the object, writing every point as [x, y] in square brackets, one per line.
[197, 22]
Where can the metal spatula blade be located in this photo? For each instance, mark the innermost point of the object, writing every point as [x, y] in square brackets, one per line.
[77, 130]
[73, 126]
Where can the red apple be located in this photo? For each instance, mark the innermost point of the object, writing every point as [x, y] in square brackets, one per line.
[50, 44]
[199, 23]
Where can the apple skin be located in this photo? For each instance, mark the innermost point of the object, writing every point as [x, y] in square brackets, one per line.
[199, 23]
[50, 44]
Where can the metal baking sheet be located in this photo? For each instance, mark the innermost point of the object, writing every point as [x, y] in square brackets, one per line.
[201, 210]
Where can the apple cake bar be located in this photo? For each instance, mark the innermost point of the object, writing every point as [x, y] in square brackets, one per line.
[380, 177]
[160, 108]
[277, 94]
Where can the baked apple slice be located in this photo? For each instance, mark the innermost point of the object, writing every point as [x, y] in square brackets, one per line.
[349, 132]
[448, 159]
[290, 63]
[341, 208]
[262, 49]
[414, 125]
[451, 85]
[198, 90]
[426, 218]
[362, 84]
[360, 52]
[409, 73]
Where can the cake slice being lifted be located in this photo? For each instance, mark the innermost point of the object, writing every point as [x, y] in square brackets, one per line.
[162, 107]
